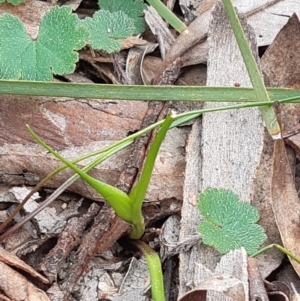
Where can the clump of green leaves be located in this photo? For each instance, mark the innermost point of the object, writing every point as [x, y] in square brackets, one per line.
[61, 34]
[13, 2]
[230, 224]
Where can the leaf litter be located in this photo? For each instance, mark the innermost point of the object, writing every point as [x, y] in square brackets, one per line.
[167, 69]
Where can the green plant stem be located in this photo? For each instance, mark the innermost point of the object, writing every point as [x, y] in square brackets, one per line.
[155, 271]
[56, 193]
[139, 191]
[268, 113]
[126, 92]
[116, 198]
[280, 248]
[169, 16]
[107, 152]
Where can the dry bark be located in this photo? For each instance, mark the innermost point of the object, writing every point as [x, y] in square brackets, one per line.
[76, 127]
[222, 152]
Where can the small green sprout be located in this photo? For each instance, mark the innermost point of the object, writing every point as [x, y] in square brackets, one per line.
[127, 207]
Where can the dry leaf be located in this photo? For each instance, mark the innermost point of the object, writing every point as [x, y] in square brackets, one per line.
[160, 29]
[14, 261]
[285, 201]
[195, 32]
[133, 41]
[228, 285]
[281, 60]
[278, 288]
[17, 288]
[281, 68]
[135, 63]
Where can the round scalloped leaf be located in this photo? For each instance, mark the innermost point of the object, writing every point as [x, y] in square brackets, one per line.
[13, 2]
[106, 28]
[132, 8]
[60, 34]
[230, 224]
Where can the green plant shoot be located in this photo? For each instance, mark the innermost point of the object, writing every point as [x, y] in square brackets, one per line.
[104, 154]
[139, 191]
[127, 207]
[154, 266]
[116, 198]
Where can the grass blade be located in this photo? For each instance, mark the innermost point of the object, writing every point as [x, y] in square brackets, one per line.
[138, 193]
[151, 93]
[268, 113]
[170, 18]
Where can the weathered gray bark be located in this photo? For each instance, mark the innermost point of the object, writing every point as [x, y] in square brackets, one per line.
[223, 152]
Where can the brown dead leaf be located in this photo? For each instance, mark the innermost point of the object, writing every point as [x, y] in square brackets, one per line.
[289, 277]
[14, 261]
[228, 285]
[285, 201]
[135, 68]
[278, 288]
[160, 29]
[17, 287]
[195, 32]
[280, 65]
[205, 6]
[133, 41]
[150, 66]
[281, 60]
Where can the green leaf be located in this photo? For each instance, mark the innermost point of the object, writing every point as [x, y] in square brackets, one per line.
[13, 2]
[138, 193]
[230, 224]
[106, 28]
[132, 8]
[60, 34]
